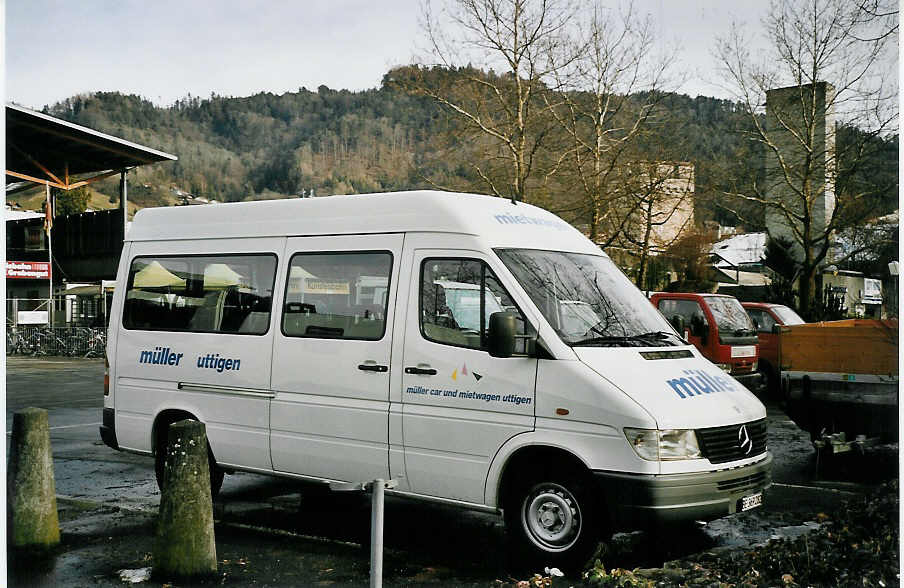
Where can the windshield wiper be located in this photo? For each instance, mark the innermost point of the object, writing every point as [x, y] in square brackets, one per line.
[651, 339]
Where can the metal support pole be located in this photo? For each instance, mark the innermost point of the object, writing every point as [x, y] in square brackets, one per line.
[49, 214]
[376, 534]
[376, 489]
[124, 200]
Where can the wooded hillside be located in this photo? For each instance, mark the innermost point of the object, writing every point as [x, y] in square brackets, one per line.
[337, 142]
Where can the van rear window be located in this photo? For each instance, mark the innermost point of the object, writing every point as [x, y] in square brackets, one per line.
[201, 293]
[340, 295]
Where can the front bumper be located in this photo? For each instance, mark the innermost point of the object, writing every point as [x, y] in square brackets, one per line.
[644, 500]
[751, 381]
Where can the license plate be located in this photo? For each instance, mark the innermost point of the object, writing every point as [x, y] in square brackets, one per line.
[752, 501]
[743, 351]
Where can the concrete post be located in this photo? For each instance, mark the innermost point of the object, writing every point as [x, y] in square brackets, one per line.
[185, 545]
[30, 490]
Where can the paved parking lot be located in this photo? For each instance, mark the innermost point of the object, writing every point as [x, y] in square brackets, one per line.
[424, 541]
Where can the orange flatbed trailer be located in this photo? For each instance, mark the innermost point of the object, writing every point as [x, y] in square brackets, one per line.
[840, 380]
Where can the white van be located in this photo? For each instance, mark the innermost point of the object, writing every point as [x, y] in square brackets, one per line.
[345, 339]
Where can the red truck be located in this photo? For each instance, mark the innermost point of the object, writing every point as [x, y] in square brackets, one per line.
[719, 327]
[765, 317]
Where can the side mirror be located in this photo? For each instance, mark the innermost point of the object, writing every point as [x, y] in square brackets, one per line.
[776, 329]
[501, 334]
[677, 321]
[697, 327]
[756, 324]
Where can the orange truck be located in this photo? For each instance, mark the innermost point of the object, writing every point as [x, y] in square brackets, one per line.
[840, 381]
[766, 316]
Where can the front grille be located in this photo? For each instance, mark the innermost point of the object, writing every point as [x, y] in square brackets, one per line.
[743, 483]
[723, 444]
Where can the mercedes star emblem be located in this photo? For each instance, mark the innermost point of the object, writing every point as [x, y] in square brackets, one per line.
[744, 440]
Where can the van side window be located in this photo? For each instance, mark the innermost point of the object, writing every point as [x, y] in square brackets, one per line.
[456, 300]
[337, 295]
[689, 309]
[201, 293]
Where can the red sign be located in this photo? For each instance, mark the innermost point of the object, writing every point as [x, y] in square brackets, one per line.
[35, 270]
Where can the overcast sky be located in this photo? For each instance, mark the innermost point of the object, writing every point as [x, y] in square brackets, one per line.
[164, 50]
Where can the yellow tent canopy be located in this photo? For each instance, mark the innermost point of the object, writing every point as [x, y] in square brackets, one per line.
[220, 275]
[155, 275]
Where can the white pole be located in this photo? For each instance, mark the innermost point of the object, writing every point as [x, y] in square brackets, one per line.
[376, 534]
[49, 214]
[376, 488]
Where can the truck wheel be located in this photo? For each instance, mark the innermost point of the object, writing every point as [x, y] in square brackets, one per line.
[216, 472]
[552, 521]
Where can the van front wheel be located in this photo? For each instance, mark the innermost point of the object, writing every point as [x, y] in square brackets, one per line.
[216, 473]
[553, 520]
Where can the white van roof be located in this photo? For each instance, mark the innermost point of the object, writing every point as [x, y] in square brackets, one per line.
[496, 220]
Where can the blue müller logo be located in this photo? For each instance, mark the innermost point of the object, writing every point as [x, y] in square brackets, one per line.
[698, 382]
[160, 356]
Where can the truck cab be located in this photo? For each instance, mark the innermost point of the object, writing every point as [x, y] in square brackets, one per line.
[765, 317]
[718, 326]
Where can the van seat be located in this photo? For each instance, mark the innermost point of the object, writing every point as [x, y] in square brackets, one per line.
[365, 329]
[255, 322]
[308, 324]
[446, 335]
[210, 314]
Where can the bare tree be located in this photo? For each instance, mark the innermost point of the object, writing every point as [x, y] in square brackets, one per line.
[824, 56]
[607, 97]
[658, 210]
[498, 51]
[690, 256]
[878, 17]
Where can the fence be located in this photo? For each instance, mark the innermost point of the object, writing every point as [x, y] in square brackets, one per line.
[61, 341]
[68, 311]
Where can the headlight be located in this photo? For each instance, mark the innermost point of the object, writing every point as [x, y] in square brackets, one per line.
[645, 442]
[726, 367]
[664, 445]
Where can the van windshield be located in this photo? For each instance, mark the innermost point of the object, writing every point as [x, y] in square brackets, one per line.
[588, 300]
[787, 316]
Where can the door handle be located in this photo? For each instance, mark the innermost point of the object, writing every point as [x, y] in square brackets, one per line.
[422, 371]
[372, 367]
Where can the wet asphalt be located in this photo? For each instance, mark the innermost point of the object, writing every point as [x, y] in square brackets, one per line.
[279, 532]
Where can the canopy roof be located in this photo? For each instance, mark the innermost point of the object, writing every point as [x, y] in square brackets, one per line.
[220, 275]
[41, 149]
[155, 275]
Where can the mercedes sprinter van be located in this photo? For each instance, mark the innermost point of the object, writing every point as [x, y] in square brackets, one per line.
[482, 353]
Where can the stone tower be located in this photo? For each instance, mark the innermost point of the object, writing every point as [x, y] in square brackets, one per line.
[800, 120]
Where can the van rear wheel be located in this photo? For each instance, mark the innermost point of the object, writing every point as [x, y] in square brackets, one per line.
[553, 520]
[216, 473]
